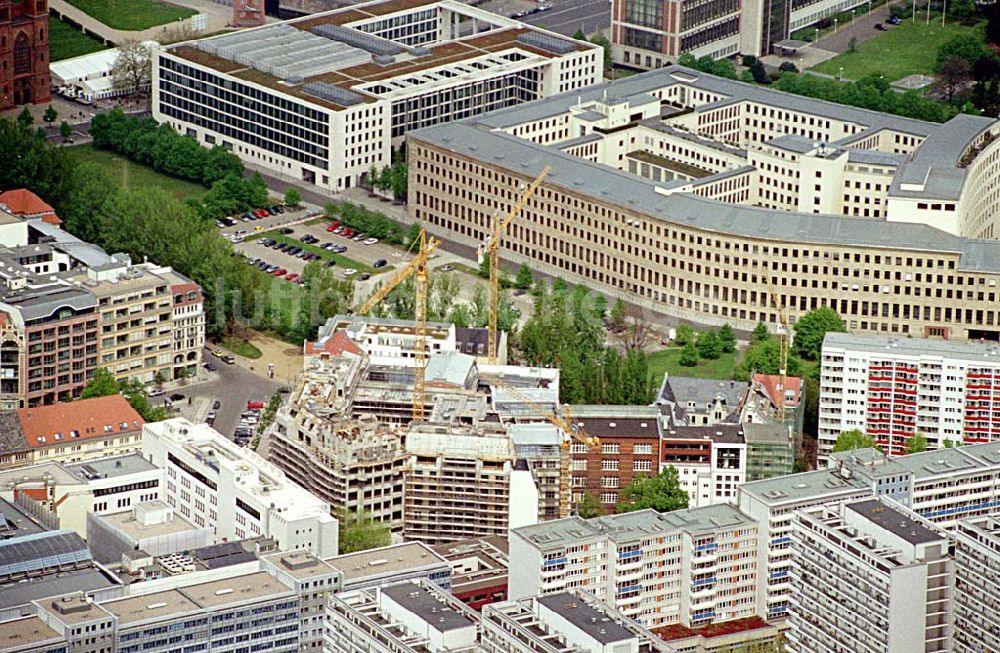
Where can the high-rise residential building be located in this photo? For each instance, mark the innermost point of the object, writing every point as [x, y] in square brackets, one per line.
[388, 565]
[977, 585]
[571, 620]
[407, 617]
[942, 486]
[705, 562]
[693, 194]
[866, 576]
[24, 48]
[895, 388]
[314, 581]
[211, 481]
[324, 98]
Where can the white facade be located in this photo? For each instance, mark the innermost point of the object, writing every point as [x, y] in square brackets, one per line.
[977, 585]
[211, 481]
[869, 577]
[254, 92]
[705, 560]
[893, 389]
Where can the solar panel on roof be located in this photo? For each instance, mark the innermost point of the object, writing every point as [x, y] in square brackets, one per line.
[547, 42]
[333, 93]
[357, 38]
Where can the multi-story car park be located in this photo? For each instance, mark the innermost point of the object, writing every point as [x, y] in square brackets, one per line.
[322, 99]
[894, 388]
[648, 34]
[706, 249]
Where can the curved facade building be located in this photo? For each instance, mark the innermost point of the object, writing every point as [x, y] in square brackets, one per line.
[697, 196]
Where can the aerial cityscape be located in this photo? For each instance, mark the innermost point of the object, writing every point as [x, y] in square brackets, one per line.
[499, 326]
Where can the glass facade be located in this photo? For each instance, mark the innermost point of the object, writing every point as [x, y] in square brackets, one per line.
[647, 13]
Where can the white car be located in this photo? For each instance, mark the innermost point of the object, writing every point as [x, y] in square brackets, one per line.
[371, 241]
[350, 272]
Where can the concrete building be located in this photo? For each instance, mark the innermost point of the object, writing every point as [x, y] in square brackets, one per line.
[389, 565]
[977, 584]
[479, 569]
[538, 448]
[704, 559]
[315, 582]
[461, 483]
[407, 617]
[150, 527]
[894, 388]
[334, 91]
[711, 461]
[770, 451]
[827, 204]
[649, 34]
[866, 576]
[213, 482]
[943, 487]
[572, 620]
[79, 431]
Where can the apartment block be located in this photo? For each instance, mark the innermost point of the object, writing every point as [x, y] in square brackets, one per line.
[943, 487]
[78, 431]
[894, 388]
[539, 451]
[389, 565]
[213, 482]
[822, 204]
[693, 567]
[459, 483]
[314, 581]
[867, 576]
[407, 617]
[711, 461]
[323, 98]
[977, 585]
[565, 621]
[479, 569]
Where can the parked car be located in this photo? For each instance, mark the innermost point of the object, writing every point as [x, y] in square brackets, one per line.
[333, 225]
[287, 230]
[210, 366]
[331, 263]
[280, 272]
[294, 278]
[365, 276]
[216, 405]
[893, 20]
[381, 263]
[338, 230]
[880, 27]
[340, 249]
[371, 241]
[228, 359]
[176, 397]
[349, 272]
[259, 405]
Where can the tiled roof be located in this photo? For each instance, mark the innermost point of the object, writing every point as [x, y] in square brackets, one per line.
[336, 345]
[88, 418]
[769, 385]
[22, 201]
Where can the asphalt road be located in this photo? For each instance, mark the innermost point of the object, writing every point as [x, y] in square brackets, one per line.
[863, 29]
[568, 16]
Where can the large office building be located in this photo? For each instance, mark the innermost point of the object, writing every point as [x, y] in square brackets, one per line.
[212, 482]
[693, 567]
[702, 197]
[323, 98]
[869, 577]
[648, 34]
[894, 388]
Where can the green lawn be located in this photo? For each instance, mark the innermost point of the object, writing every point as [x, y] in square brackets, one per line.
[66, 41]
[134, 175]
[668, 360]
[905, 49]
[342, 261]
[132, 14]
[241, 348]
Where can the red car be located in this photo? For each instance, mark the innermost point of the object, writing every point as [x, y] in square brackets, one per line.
[294, 278]
[280, 272]
[255, 404]
[347, 233]
[261, 213]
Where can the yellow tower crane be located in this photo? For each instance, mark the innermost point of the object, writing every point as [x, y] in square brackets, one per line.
[417, 267]
[783, 332]
[493, 252]
[572, 432]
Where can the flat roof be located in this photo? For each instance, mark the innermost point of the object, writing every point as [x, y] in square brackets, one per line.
[157, 605]
[427, 606]
[126, 523]
[24, 632]
[14, 522]
[235, 590]
[386, 560]
[85, 580]
[111, 467]
[595, 623]
[896, 522]
[300, 564]
[970, 352]
[802, 486]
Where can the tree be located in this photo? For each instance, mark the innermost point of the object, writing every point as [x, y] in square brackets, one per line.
[759, 333]
[765, 357]
[967, 46]
[412, 235]
[523, 280]
[159, 379]
[101, 384]
[812, 327]
[727, 339]
[372, 177]
[635, 333]
[916, 444]
[65, 130]
[293, 197]
[601, 40]
[484, 266]
[708, 345]
[599, 307]
[662, 493]
[579, 35]
[133, 67]
[683, 334]
[954, 72]
[384, 181]
[25, 119]
[50, 115]
[852, 45]
[618, 314]
[358, 532]
[460, 316]
[788, 67]
[398, 181]
[853, 439]
[760, 73]
[689, 355]
[589, 506]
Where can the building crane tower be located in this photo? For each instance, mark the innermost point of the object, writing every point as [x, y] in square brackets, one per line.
[417, 268]
[493, 252]
[783, 331]
[571, 432]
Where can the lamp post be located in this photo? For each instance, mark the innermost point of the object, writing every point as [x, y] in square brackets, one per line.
[852, 16]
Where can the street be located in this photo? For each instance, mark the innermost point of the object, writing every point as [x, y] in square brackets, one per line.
[568, 16]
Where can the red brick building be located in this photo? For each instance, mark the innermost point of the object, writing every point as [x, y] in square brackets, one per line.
[24, 53]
